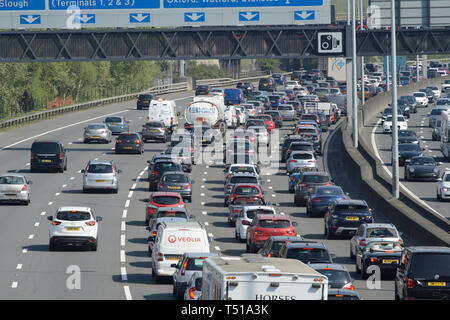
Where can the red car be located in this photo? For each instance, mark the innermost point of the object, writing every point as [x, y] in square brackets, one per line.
[245, 190]
[266, 225]
[268, 121]
[162, 199]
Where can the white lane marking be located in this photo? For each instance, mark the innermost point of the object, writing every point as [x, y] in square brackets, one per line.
[206, 223]
[57, 194]
[50, 203]
[24, 250]
[202, 194]
[79, 139]
[202, 203]
[206, 172]
[60, 128]
[36, 224]
[202, 186]
[122, 256]
[122, 226]
[375, 149]
[72, 178]
[64, 185]
[217, 248]
[130, 194]
[27, 164]
[14, 285]
[79, 171]
[95, 159]
[127, 203]
[210, 235]
[124, 214]
[270, 187]
[123, 272]
[268, 180]
[126, 289]
[204, 179]
[122, 240]
[31, 236]
[273, 195]
[43, 213]
[204, 212]
[133, 186]
[19, 266]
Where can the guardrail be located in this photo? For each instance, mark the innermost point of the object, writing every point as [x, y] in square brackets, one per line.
[164, 89]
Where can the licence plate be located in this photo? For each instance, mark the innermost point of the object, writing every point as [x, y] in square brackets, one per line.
[173, 258]
[390, 261]
[128, 148]
[10, 195]
[352, 218]
[46, 160]
[146, 101]
[73, 228]
[100, 180]
[154, 130]
[437, 284]
[176, 187]
[95, 136]
[113, 124]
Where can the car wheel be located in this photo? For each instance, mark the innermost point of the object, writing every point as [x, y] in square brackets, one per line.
[247, 247]
[330, 234]
[51, 246]
[94, 246]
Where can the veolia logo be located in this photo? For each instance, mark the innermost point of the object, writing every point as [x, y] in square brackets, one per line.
[172, 239]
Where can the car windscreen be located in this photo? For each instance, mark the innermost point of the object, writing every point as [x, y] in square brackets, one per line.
[243, 180]
[274, 223]
[45, 148]
[195, 264]
[175, 178]
[285, 108]
[145, 97]
[406, 133]
[381, 233]
[409, 147]
[307, 254]
[128, 137]
[253, 212]
[315, 178]
[255, 123]
[301, 146]
[309, 117]
[154, 125]
[100, 168]
[336, 278]
[419, 95]
[160, 166]
[442, 102]
[246, 191]
[242, 169]
[428, 265]
[265, 118]
[73, 215]
[165, 200]
[171, 214]
[350, 208]
[423, 162]
[113, 119]
[332, 191]
[96, 126]
[244, 201]
[11, 180]
[306, 130]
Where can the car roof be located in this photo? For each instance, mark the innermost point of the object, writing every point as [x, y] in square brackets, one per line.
[176, 172]
[259, 207]
[201, 254]
[316, 173]
[74, 209]
[165, 193]
[351, 202]
[379, 225]
[300, 244]
[344, 292]
[12, 174]
[266, 216]
[334, 266]
[171, 209]
[243, 174]
[285, 238]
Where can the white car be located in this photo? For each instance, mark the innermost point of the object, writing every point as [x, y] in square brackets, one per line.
[443, 188]
[242, 115]
[445, 87]
[291, 85]
[436, 91]
[250, 109]
[401, 123]
[245, 217]
[74, 226]
[194, 287]
[261, 134]
[421, 99]
[15, 188]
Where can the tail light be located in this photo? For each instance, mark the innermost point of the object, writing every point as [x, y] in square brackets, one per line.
[90, 223]
[154, 173]
[362, 243]
[60, 156]
[269, 255]
[292, 178]
[374, 260]
[302, 184]
[292, 160]
[317, 199]
[400, 241]
[409, 283]
[312, 161]
[189, 186]
[31, 155]
[161, 185]
[291, 232]
[236, 211]
[257, 232]
[137, 141]
[154, 233]
[160, 257]
[329, 184]
[24, 188]
[55, 223]
[191, 293]
[118, 141]
[183, 269]
[151, 210]
[171, 121]
[349, 286]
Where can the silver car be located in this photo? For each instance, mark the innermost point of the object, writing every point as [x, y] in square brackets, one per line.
[101, 175]
[443, 188]
[300, 159]
[287, 112]
[117, 124]
[14, 188]
[194, 287]
[97, 132]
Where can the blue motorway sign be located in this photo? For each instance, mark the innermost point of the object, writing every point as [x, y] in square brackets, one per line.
[249, 16]
[103, 4]
[194, 17]
[304, 15]
[30, 19]
[22, 5]
[84, 18]
[177, 4]
[139, 17]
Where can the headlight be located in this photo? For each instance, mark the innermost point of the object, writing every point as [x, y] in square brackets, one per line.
[445, 189]
[436, 169]
[411, 169]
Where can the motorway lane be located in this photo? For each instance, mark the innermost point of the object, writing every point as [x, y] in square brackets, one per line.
[42, 274]
[424, 190]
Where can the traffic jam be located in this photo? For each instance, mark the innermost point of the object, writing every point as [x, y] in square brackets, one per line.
[253, 134]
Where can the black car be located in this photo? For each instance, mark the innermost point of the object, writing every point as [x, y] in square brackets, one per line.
[409, 101]
[175, 181]
[279, 78]
[405, 109]
[155, 130]
[342, 294]
[384, 255]
[422, 168]
[307, 183]
[182, 155]
[407, 136]
[202, 90]
[338, 275]
[423, 273]
[158, 169]
[129, 143]
[307, 252]
[48, 155]
[267, 84]
[408, 150]
[143, 100]
[345, 216]
[272, 245]
[247, 87]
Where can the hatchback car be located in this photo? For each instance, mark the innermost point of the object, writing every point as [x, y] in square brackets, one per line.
[308, 252]
[162, 199]
[245, 217]
[158, 169]
[202, 90]
[401, 124]
[368, 232]
[338, 275]
[406, 151]
[155, 130]
[97, 132]
[73, 226]
[236, 178]
[129, 142]
[385, 255]
[318, 201]
[287, 112]
[302, 159]
[276, 116]
[265, 225]
[48, 155]
[189, 263]
[344, 217]
[117, 124]
[244, 190]
[422, 168]
[272, 246]
[101, 175]
[173, 181]
[15, 188]
[299, 146]
[270, 124]
[240, 202]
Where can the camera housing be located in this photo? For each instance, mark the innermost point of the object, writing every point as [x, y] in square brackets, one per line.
[330, 42]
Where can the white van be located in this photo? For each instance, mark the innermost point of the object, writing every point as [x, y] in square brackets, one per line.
[231, 117]
[174, 239]
[163, 110]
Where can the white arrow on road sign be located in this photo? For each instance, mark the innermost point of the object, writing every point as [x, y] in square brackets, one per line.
[139, 17]
[304, 15]
[30, 19]
[85, 18]
[249, 16]
[194, 16]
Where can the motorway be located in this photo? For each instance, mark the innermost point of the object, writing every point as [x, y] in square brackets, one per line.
[121, 269]
[423, 190]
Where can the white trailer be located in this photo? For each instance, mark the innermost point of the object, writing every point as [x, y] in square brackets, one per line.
[445, 134]
[207, 110]
[253, 277]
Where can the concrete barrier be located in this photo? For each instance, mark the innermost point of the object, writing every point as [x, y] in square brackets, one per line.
[416, 220]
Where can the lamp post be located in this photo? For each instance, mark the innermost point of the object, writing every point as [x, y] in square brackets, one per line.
[354, 81]
[395, 169]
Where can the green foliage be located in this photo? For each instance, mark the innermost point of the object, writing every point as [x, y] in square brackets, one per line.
[269, 65]
[201, 71]
[27, 87]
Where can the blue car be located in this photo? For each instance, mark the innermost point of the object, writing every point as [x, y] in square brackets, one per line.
[322, 197]
[279, 78]
[294, 176]
[275, 101]
[404, 80]
[233, 96]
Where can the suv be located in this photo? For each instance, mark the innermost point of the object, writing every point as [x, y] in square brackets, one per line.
[101, 175]
[308, 181]
[202, 90]
[143, 100]
[117, 124]
[267, 84]
[345, 217]
[48, 155]
[188, 264]
[247, 87]
[423, 273]
[74, 226]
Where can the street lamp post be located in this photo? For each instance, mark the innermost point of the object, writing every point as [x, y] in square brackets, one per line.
[395, 169]
[354, 81]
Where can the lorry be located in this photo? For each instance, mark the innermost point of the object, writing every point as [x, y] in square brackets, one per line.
[253, 277]
[205, 110]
